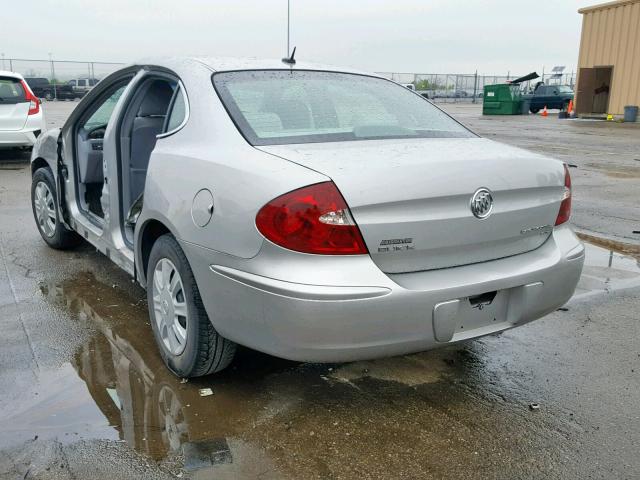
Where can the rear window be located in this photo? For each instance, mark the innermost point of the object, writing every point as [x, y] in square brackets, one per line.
[11, 91]
[275, 107]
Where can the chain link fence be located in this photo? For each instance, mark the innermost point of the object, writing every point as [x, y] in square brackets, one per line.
[59, 71]
[443, 87]
[455, 87]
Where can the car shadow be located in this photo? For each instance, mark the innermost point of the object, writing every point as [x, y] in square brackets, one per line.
[14, 156]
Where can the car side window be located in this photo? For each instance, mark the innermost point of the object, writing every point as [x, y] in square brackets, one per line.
[178, 111]
[102, 115]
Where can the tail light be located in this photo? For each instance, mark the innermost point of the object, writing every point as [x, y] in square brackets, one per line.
[565, 205]
[313, 219]
[34, 103]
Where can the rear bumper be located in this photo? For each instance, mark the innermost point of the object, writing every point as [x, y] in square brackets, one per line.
[389, 315]
[27, 135]
[17, 138]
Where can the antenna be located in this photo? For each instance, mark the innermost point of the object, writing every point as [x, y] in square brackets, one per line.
[290, 60]
[288, 25]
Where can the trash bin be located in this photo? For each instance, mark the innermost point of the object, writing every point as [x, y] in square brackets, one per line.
[630, 113]
[501, 99]
[525, 105]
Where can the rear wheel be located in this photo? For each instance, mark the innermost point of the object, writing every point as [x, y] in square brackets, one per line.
[46, 214]
[534, 110]
[188, 343]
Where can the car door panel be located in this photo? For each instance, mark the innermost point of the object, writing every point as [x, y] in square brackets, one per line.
[102, 156]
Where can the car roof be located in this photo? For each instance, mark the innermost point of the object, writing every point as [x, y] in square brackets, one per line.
[220, 64]
[7, 73]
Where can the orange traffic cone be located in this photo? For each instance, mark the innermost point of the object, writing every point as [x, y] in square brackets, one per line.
[570, 108]
[544, 112]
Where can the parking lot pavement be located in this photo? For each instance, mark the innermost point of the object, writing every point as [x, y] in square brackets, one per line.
[84, 393]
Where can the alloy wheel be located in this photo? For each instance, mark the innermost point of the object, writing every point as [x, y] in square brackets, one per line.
[44, 207]
[170, 307]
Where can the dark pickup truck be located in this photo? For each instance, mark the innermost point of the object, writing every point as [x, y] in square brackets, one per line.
[42, 88]
[551, 96]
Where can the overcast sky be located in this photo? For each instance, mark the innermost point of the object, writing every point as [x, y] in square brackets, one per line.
[428, 36]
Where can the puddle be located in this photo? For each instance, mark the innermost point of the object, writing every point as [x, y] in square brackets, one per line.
[117, 387]
[608, 269]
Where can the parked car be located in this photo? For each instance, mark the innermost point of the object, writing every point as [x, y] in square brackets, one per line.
[309, 213]
[551, 96]
[42, 88]
[82, 85]
[21, 119]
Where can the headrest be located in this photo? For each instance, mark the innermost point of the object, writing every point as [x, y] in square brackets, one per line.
[156, 99]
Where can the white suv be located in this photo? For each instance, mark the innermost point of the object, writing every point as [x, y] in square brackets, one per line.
[21, 119]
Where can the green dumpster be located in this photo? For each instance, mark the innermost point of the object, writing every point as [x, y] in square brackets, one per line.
[501, 99]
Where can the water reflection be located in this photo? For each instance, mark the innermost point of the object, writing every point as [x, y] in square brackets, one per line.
[607, 270]
[152, 410]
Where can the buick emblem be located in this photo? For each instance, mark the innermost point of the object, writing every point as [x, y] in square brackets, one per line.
[481, 203]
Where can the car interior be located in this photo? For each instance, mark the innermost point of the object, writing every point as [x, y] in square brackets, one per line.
[144, 119]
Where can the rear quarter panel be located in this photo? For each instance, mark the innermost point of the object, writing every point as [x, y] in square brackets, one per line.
[209, 153]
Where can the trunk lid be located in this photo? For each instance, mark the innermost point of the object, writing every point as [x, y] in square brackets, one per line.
[411, 198]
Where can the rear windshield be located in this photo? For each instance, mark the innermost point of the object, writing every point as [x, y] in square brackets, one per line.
[11, 91]
[276, 107]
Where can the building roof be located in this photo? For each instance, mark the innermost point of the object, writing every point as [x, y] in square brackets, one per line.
[604, 6]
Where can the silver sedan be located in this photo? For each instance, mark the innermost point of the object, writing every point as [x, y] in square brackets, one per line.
[307, 212]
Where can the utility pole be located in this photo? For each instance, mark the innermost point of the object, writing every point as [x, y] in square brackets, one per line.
[3, 61]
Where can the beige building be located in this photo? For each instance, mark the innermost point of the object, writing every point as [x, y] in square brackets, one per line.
[609, 60]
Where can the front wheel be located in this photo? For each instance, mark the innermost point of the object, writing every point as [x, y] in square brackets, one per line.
[189, 345]
[46, 214]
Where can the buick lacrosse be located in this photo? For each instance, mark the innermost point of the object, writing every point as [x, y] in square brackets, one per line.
[312, 213]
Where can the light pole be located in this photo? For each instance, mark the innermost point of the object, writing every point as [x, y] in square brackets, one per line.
[53, 77]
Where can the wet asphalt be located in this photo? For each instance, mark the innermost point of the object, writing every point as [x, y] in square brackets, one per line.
[84, 393]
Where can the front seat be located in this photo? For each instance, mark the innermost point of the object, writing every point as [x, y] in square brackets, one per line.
[147, 124]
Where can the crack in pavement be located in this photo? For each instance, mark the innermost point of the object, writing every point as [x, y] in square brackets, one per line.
[18, 309]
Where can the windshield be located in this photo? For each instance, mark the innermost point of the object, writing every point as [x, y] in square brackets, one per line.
[276, 107]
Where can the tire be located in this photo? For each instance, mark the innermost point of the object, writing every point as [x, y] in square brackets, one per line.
[534, 110]
[46, 214]
[188, 343]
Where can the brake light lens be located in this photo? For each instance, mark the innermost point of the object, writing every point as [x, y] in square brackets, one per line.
[314, 219]
[565, 205]
[34, 103]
